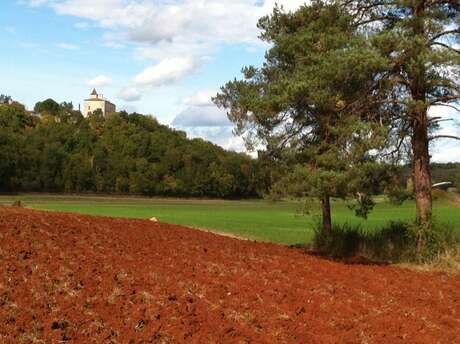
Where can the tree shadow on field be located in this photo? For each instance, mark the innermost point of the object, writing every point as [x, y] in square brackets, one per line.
[348, 260]
[353, 260]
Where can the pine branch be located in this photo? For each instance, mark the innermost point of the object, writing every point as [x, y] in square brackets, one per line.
[448, 105]
[436, 120]
[444, 137]
[440, 100]
[445, 33]
[446, 46]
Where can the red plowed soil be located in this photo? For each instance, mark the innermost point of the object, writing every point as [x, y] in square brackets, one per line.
[82, 279]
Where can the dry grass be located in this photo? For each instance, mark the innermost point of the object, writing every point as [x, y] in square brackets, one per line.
[448, 262]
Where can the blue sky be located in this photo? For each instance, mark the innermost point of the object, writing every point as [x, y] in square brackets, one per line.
[139, 57]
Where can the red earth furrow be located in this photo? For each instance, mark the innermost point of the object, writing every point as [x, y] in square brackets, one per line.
[82, 279]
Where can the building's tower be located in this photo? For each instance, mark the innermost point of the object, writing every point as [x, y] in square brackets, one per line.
[97, 102]
[94, 94]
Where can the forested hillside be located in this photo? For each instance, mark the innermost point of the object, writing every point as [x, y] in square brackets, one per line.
[56, 149]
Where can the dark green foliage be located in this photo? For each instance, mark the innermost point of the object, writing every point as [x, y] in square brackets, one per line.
[47, 106]
[437, 240]
[60, 151]
[4, 99]
[307, 105]
[441, 172]
[396, 242]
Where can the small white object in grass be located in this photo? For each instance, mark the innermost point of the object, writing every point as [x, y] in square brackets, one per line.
[154, 219]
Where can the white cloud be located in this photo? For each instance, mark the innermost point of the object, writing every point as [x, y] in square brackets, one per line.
[130, 94]
[90, 9]
[167, 29]
[444, 112]
[176, 46]
[128, 108]
[446, 150]
[222, 136]
[200, 111]
[289, 5]
[99, 81]
[166, 71]
[67, 46]
[202, 116]
[201, 98]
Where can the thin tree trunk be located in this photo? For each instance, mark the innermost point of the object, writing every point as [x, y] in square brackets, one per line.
[327, 218]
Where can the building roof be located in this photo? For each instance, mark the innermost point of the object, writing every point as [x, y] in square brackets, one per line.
[94, 93]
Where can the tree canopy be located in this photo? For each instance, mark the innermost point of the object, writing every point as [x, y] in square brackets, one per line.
[308, 106]
[59, 150]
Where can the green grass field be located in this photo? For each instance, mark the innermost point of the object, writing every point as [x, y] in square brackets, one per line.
[278, 222]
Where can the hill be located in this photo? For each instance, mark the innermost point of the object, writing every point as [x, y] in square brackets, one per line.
[58, 150]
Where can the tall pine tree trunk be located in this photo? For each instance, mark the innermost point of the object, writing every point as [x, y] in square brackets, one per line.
[327, 218]
[422, 172]
[420, 140]
[422, 178]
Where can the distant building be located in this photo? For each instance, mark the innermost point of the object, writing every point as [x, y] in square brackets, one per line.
[95, 102]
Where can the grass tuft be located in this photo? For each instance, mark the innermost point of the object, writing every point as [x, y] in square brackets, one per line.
[394, 243]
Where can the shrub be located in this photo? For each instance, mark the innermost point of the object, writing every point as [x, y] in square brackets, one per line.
[437, 241]
[396, 242]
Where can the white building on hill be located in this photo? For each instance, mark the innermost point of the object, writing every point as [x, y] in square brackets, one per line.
[96, 101]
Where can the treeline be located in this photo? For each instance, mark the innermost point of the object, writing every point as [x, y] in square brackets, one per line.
[449, 172]
[440, 172]
[56, 149]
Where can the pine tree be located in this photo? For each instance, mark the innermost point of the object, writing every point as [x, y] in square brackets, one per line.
[419, 39]
[305, 105]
